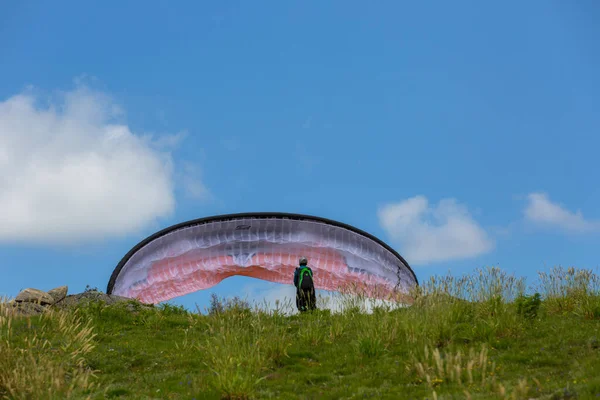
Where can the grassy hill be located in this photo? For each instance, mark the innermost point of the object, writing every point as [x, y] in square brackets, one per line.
[475, 337]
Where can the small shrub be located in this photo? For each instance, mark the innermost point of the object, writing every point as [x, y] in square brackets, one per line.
[89, 289]
[91, 309]
[216, 305]
[528, 306]
[172, 309]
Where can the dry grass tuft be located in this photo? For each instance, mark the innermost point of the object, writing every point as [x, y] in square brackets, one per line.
[43, 357]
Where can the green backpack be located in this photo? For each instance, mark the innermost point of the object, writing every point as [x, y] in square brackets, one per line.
[305, 280]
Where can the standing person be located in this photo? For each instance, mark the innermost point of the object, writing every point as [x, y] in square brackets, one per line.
[306, 298]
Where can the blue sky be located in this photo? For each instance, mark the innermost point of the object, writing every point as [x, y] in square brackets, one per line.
[464, 134]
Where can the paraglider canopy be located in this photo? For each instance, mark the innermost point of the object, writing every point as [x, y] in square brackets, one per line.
[199, 254]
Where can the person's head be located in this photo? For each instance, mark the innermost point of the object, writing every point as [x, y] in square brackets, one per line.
[303, 261]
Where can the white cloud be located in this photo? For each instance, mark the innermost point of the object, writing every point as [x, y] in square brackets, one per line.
[69, 172]
[541, 210]
[428, 234]
[166, 141]
[191, 179]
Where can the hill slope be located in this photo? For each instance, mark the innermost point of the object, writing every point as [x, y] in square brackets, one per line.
[470, 337]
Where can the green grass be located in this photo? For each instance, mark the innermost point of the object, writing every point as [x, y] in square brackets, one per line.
[484, 336]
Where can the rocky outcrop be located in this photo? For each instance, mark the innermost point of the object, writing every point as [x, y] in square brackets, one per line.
[92, 296]
[36, 296]
[59, 293]
[32, 301]
[25, 308]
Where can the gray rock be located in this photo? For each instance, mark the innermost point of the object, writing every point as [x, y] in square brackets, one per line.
[32, 302]
[27, 309]
[58, 293]
[74, 300]
[37, 296]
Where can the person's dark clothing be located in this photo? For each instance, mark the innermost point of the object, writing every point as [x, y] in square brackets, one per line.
[306, 298]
